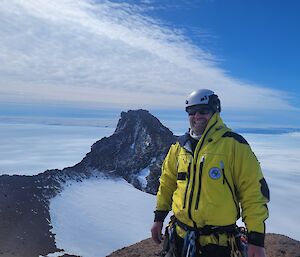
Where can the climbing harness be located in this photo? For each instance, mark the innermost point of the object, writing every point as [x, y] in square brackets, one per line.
[237, 239]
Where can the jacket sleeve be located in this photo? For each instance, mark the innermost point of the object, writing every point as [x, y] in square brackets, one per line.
[253, 192]
[167, 184]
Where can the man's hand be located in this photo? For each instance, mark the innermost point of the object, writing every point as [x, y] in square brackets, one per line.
[156, 231]
[256, 251]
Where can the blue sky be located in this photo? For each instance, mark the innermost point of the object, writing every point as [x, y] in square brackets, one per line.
[76, 57]
[254, 40]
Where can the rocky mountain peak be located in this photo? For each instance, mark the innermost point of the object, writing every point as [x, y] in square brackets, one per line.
[142, 131]
[139, 143]
[134, 120]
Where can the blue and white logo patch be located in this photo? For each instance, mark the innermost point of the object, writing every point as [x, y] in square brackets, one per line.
[215, 173]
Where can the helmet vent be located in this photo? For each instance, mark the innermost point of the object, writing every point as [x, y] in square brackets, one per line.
[203, 99]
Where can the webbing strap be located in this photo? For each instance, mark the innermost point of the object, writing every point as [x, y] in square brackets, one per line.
[208, 229]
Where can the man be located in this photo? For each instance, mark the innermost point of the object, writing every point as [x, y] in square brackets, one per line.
[208, 177]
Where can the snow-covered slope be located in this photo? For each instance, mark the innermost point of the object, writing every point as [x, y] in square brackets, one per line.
[97, 216]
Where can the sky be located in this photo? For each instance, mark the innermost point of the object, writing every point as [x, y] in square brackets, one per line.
[71, 58]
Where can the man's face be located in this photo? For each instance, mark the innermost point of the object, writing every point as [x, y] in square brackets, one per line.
[199, 117]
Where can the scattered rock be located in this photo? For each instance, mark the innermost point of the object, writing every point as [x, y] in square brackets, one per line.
[282, 246]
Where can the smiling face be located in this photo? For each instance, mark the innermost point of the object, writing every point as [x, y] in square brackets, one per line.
[199, 120]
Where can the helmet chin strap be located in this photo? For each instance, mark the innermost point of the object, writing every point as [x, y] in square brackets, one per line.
[193, 135]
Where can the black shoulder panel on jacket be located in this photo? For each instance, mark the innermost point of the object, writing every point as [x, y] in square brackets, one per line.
[264, 188]
[182, 139]
[236, 136]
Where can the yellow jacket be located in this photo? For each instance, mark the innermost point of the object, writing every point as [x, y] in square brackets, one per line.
[210, 186]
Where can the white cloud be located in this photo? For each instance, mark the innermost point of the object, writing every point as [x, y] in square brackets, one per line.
[107, 54]
[25, 148]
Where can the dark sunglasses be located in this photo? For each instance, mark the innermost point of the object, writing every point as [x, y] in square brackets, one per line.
[200, 109]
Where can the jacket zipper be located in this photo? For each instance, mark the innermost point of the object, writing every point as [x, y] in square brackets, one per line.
[191, 195]
[187, 186]
[231, 190]
[200, 182]
[194, 175]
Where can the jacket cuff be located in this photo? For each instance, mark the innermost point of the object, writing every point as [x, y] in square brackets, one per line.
[256, 238]
[160, 215]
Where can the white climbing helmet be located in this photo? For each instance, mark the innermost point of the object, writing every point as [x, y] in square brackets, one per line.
[203, 97]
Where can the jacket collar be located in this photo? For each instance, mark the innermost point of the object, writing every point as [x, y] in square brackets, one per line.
[214, 127]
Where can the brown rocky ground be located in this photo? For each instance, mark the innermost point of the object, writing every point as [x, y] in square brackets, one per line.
[276, 246]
